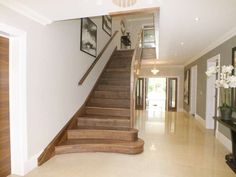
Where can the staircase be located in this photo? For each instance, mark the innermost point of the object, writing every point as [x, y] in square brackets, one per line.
[105, 123]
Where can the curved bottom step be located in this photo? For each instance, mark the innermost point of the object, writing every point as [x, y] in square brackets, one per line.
[75, 146]
[121, 134]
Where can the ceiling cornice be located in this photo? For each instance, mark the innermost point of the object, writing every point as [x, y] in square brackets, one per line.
[213, 45]
[26, 11]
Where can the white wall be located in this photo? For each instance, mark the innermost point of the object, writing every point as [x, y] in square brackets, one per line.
[116, 26]
[168, 71]
[55, 65]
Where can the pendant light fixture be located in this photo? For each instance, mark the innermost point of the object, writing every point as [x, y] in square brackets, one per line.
[155, 70]
[124, 3]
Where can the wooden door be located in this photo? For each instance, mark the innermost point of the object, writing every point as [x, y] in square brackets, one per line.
[172, 94]
[5, 155]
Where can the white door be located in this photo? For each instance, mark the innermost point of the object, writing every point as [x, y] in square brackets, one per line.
[193, 91]
[212, 101]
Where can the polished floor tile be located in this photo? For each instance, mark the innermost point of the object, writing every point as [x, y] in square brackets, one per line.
[176, 145]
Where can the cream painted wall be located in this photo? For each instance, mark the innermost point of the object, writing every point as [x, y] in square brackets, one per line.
[55, 64]
[168, 71]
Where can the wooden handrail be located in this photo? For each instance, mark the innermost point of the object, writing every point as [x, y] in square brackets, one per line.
[135, 67]
[96, 60]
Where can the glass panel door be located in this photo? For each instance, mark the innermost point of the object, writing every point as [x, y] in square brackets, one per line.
[172, 94]
[140, 94]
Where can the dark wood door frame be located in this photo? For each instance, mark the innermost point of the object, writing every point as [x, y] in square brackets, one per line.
[176, 94]
[140, 94]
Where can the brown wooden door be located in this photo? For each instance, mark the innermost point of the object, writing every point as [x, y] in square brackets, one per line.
[5, 155]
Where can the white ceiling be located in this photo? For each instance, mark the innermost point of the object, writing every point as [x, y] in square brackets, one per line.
[217, 21]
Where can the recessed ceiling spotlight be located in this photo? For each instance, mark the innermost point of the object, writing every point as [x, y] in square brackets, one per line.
[197, 19]
[99, 2]
[182, 43]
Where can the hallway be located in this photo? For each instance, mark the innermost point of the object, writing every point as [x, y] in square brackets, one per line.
[176, 145]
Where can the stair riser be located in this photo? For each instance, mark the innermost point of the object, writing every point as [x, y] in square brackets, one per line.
[116, 75]
[118, 65]
[108, 112]
[107, 94]
[103, 123]
[102, 134]
[99, 148]
[126, 54]
[113, 88]
[109, 103]
[118, 70]
[115, 82]
[120, 62]
[123, 54]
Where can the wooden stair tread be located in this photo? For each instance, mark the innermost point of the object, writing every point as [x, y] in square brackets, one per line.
[110, 99]
[115, 105]
[92, 116]
[111, 94]
[106, 128]
[104, 87]
[92, 141]
[112, 108]
[108, 111]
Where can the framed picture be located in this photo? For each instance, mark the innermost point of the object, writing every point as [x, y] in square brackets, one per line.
[88, 38]
[234, 89]
[107, 24]
[186, 86]
[122, 27]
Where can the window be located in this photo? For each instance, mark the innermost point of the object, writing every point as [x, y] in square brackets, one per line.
[149, 37]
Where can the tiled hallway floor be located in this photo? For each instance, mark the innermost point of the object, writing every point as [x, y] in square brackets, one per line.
[176, 145]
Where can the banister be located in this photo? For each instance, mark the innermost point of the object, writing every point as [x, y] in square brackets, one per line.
[97, 59]
[135, 67]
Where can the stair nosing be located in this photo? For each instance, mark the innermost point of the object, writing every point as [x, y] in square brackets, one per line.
[97, 107]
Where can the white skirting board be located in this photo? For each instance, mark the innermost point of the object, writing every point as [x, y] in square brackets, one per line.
[31, 163]
[201, 120]
[224, 140]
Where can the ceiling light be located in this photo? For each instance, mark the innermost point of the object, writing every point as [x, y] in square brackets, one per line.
[196, 19]
[154, 71]
[124, 3]
[182, 43]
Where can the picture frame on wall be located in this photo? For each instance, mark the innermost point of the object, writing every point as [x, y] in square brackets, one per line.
[186, 86]
[88, 37]
[122, 27]
[107, 24]
[233, 100]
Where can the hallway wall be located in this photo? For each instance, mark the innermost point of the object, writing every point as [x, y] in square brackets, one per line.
[225, 51]
[55, 65]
